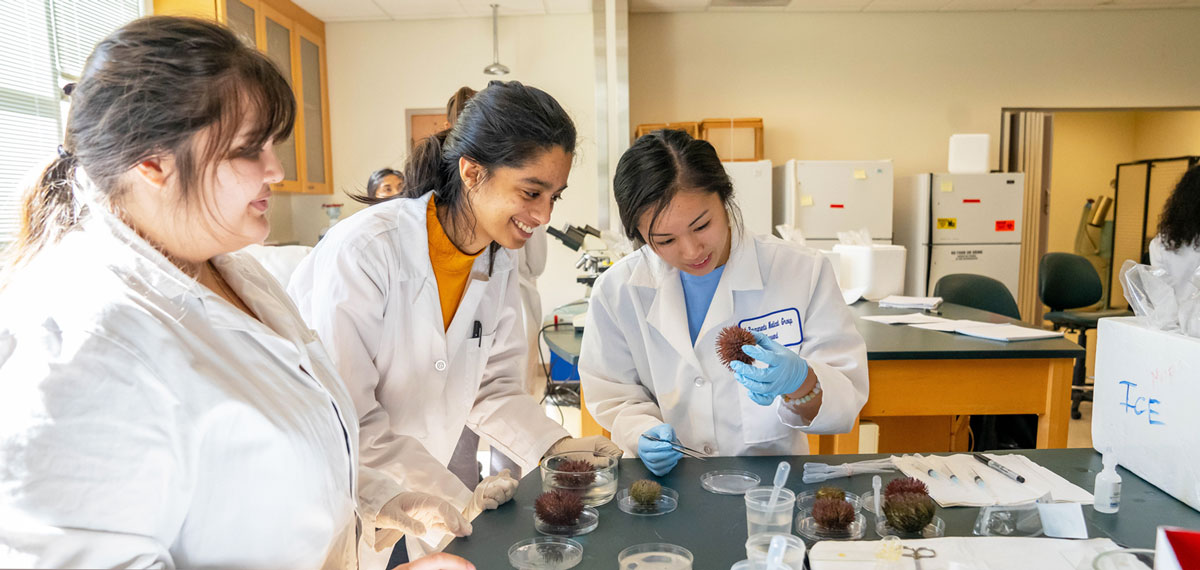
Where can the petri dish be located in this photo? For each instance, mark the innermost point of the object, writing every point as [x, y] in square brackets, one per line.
[932, 530]
[758, 565]
[805, 500]
[665, 504]
[808, 528]
[588, 521]
[729, 482]
[545, 553]
[655, 556]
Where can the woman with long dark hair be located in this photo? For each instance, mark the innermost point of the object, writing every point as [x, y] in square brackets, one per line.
[650, 362]
[418, 298]
[165, 405]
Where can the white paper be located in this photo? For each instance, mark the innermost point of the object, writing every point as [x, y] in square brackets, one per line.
[906, 319]
[997, 489]
[966, 552]
[947, 325]
[1062, 520]
[1007, 332]
[901, 301]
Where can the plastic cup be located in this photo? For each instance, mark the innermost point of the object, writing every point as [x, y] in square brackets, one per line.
[760, 565]
[758, 545]
[778, 520]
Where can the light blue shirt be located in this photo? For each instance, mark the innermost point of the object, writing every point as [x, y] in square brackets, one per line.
[697, 296]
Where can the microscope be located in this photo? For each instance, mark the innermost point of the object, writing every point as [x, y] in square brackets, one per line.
[592, 262]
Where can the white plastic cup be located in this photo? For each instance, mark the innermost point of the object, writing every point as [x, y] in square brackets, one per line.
[778, 520]
[760, 565]
[758, 545]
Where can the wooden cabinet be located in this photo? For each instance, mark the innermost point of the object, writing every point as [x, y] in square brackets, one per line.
[295, 41]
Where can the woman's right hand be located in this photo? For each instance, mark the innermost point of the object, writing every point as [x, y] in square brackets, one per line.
[439, 561]
[660, 457]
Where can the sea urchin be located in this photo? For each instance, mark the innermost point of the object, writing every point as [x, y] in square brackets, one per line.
[833, 514]
[645, 493]
[558, 507]
[730, 342]
[575, 474]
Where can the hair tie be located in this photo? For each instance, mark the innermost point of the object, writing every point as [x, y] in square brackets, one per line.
[64, 153]
[68, 89]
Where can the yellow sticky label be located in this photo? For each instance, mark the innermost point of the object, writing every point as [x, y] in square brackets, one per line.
[806, 200]
[860, 174]
[947, 186]
[947, 223]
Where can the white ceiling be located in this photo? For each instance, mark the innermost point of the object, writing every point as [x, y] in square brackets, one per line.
[354, 10]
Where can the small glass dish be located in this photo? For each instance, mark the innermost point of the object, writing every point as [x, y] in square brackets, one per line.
[655, 556]
[805, 500]
[595, 487]
[808, 528]
[666, 503]
[545, 553]
[729, 482]
[588, 521]
[932, 530]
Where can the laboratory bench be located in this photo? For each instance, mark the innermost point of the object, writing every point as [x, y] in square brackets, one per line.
[713, 527]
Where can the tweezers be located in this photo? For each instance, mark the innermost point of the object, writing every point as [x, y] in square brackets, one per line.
[678, 447]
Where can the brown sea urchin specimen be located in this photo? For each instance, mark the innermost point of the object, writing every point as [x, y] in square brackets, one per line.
[833, 514]
[831, 493]
[909, 512]
[729, 345]
[645, 493]
[905, 485]
[575, 474]
[558, 507]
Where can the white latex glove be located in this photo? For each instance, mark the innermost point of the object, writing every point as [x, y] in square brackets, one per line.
[415, 515]
[597, 443]
[491, 493]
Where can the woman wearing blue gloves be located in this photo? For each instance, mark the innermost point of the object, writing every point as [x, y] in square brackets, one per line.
[649, 363]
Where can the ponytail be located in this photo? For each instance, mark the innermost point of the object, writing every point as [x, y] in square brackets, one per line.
[48, 212]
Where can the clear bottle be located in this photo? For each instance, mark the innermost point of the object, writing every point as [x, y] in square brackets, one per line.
[1107, 494]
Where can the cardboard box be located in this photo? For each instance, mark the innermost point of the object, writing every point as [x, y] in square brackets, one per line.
[1145, 410]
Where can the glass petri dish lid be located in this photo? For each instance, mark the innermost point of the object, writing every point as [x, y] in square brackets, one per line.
[729, 482]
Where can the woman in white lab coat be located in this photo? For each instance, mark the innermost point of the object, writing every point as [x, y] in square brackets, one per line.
[1176, 248]
[418, 299]
[163, 403]
[649, 363]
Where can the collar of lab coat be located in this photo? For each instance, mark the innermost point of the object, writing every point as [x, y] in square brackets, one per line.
[741, 274]
[135, 256]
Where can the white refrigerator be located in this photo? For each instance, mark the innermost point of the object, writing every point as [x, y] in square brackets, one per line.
[823, 197]
[752, 192]
[960, 223]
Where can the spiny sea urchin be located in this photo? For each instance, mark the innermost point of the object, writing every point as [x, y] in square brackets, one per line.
[645, 493]
[905, 485]
[909, 512]
[831, 493]
[730, 342]
[833, 514]
[575, 474]
[558, 507]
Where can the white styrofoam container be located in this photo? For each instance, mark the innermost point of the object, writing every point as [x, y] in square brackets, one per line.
[752, 190]
[1147, 387]
[878, 269]
[969, 153]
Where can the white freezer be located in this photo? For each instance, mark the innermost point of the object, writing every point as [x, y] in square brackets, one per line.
[910, 228]
[752, 191]
[998, 261]
[822, 198]
[976, 208]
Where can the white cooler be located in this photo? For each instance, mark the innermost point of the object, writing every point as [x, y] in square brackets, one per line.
[878, 269]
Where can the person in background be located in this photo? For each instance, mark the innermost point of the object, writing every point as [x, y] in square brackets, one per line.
[649, 362]
[163, 403]
[384, 184]
[418, 297]
[1176, 248]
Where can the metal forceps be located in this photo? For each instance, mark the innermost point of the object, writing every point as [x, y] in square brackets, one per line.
[918, 553]
[678, 447]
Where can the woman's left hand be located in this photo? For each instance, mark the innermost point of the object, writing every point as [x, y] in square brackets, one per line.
[785, 372]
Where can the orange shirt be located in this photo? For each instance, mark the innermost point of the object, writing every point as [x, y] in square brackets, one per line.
[451, 267]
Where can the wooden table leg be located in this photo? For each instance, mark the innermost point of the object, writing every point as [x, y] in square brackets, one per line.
[1053, 423]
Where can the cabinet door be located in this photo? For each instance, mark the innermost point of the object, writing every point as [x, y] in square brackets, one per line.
[279, 39]
[314, 123]
[242, 18]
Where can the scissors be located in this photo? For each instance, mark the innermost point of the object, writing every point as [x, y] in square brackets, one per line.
[678, 447]
[918, 553]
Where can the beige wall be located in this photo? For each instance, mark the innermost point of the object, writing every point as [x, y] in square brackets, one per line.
[379, 69]
[1087, 148]
[1166, 134]
[867, 86]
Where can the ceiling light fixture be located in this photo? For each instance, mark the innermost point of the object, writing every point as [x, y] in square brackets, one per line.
[496, 68]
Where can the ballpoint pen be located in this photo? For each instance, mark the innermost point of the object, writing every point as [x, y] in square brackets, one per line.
[998, 467]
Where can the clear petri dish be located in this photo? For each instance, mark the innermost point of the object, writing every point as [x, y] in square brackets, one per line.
[545, 553]
[932, 530]
[867, 502]
[655, 556]
[588, 521]
[729, 482]
[805, 500]
[665, 504]
[808, 528]
[759, 565]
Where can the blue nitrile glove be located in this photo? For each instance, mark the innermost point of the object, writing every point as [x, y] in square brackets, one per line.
[784, 374]
[659, 457]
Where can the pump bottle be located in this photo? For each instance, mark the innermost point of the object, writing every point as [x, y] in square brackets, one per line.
[1107, 494]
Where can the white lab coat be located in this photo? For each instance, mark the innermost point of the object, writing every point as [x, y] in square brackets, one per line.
[369, 291]
[639, 367]
[1181, 265]
[147, 422]
[531, 263]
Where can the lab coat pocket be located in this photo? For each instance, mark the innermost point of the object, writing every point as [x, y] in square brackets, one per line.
[760, 424]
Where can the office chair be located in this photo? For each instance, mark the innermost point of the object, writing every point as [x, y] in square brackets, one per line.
[1069, 281]
[1018, 431]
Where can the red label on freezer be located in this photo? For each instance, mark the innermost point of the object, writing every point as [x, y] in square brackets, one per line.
[971, 201]
[837, 205]
[1006, 225]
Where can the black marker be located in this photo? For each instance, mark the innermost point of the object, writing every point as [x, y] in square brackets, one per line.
[477, 332]
[998, 467]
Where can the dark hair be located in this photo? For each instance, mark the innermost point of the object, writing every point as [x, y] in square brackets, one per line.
[148, 90]
[658, 166]
[373, 184]
[505, 125]
[1179, 225]
[458, 101]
